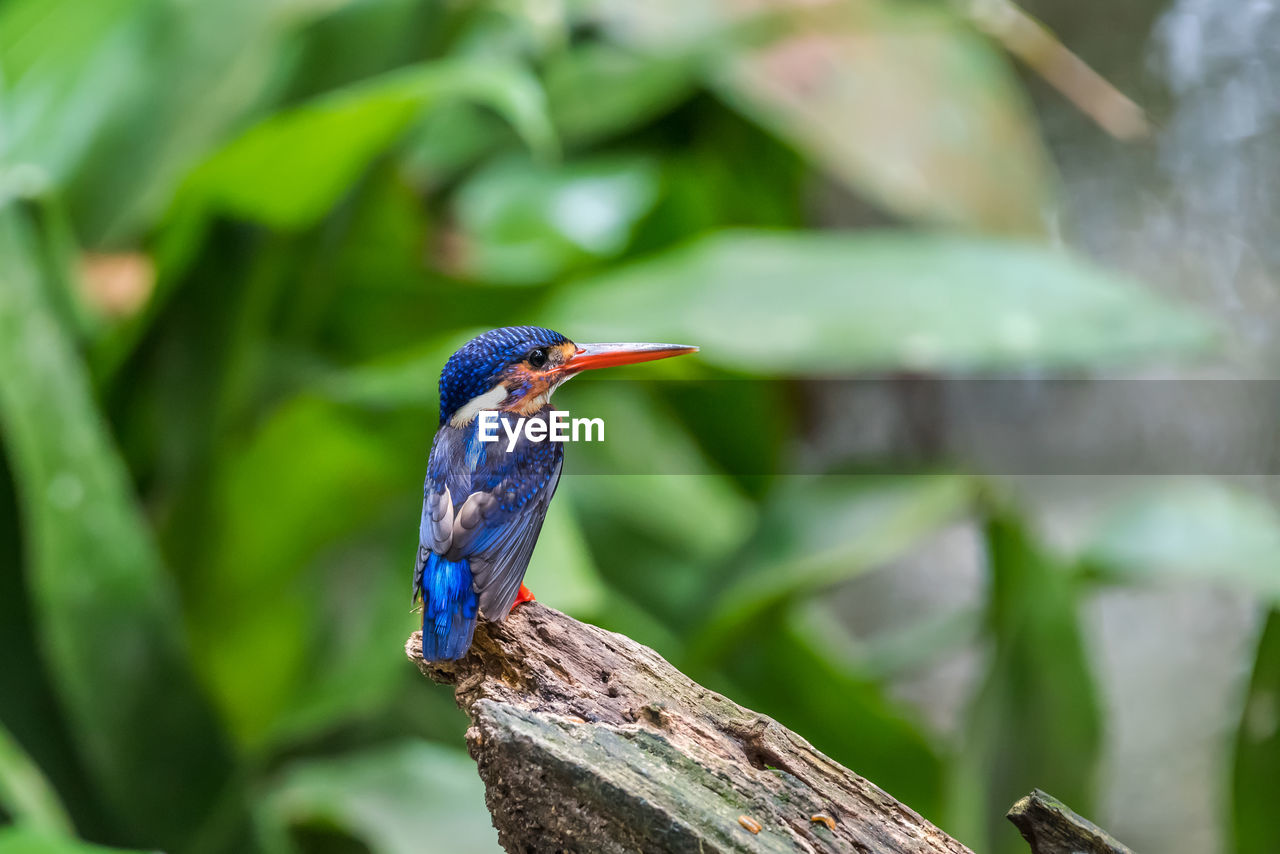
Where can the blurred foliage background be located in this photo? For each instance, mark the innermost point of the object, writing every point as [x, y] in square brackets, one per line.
[239, 239]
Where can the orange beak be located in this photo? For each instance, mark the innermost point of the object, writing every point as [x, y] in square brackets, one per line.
[589, 356]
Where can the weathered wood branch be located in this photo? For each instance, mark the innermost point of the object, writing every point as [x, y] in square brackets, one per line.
[589, 742]
[1050, 827]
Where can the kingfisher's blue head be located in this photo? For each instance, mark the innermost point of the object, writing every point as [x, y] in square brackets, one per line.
[516, 368]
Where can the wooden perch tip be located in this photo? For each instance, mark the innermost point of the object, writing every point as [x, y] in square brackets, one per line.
[1050, 827]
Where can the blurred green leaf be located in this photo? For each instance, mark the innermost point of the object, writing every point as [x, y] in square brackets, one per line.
[1035, 721]
[356, 39]
[359, 610]
[395, 800]
[522, 223]
[703, 189]
[25, 794]
[109, 618]
[910, 646]
[292, 168]
[1256, 774]
[405, 378]
[817, 531]
[48, 50]
[27, 840]
[198, 71]
[906, 104]
[597, 90]
[561, 570]
[29, 706]
[308, 478]
[657, 479]
[1193, 530]
[831, 303]
[714, 412]
[448, 140]
[112, 102]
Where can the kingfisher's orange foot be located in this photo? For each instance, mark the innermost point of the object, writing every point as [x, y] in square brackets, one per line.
[525, 595]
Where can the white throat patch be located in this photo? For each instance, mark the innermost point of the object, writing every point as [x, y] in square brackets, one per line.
[534, 404]
[489, 400]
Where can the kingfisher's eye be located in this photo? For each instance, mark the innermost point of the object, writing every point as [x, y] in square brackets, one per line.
[538, 358]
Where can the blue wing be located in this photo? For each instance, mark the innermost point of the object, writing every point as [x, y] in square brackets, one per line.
[483, 506]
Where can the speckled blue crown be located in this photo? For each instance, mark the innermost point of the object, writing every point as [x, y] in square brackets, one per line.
[474, 368]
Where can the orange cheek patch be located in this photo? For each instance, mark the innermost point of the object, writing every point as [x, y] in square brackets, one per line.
[566, 350]
[531, 386]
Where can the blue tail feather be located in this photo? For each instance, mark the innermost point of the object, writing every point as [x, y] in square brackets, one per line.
[449, 609]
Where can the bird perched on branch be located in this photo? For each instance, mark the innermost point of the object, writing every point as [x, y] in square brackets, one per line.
[484, 502]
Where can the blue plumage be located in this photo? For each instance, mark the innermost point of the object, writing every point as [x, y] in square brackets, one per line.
[483, 503]
[449, 608]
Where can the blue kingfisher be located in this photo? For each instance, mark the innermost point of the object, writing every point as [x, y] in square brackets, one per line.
[484, 502]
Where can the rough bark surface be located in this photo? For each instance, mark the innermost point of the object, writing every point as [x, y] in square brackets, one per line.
[590, 742]
[1050, 827]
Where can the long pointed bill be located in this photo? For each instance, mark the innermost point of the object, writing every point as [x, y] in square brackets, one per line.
[590, 356]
